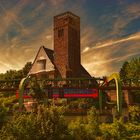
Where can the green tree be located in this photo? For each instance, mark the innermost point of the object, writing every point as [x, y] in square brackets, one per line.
[123, 70]
[26, 69]
[14, 74]
[131, 70]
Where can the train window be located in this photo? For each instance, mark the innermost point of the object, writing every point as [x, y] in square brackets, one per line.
[55, 91]
[85, 91]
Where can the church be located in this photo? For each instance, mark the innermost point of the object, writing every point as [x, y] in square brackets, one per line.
[65, 60]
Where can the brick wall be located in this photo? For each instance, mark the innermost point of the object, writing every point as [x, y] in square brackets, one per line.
[67, 45]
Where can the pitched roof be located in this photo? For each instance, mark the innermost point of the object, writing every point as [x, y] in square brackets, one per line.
[49, 53]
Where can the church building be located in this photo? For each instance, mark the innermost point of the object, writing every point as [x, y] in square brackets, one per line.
[65, 60]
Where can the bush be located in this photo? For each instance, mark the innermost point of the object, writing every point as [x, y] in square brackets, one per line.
[46, 124]
[85, 129]
[116, 130]
[3, 114]
[133, 131]
[134, 114]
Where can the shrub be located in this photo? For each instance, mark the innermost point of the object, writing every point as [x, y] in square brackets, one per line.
[134, 114]
[85, 129]
[116, 130]
[133, 131]
[3, 114]
[46, 124]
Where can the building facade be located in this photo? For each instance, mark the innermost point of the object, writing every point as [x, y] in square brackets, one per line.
[65, 60]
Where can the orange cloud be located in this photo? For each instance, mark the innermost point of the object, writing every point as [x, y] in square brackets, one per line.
[113, 42]
[105, 58]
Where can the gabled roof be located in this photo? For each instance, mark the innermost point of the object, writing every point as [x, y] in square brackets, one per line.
[84, 72]
[49, 53]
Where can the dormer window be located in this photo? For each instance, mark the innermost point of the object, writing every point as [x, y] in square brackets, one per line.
[41, 64]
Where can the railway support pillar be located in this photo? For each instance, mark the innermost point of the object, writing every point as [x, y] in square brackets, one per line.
[22, 85]
[100, 100]
[118, 84]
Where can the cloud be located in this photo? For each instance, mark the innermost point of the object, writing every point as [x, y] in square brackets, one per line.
[107, 43]
[133, 10]
[32, 23]
[107, 57]
[56, 2]
[127, 13]
[88, 36]
[33, 28]
[17, 53]
[10, 16]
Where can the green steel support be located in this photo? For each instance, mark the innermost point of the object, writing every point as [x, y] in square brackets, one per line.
[100, 100]
[118, 84]
[22, 84]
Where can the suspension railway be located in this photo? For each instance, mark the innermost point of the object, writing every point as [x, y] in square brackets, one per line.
[72, 88]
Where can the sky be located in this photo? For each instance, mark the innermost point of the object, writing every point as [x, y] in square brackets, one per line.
[110, 31]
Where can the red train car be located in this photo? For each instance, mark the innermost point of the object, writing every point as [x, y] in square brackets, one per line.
[25, 95]
[73, 93]
[65, 93]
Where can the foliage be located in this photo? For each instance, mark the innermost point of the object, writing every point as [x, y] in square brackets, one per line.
[36, 91]
[3, 114]
[14, 74]
[6, 105]
[26, 69]
[131, 70]
[49, 124]
[124, 70]
[46, 124]
[85, 129]
[8, 101]
[119, 130]
[134, 114]
[133, 131]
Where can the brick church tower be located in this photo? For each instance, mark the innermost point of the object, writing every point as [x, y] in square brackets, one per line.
[67, 44]
[65, 60]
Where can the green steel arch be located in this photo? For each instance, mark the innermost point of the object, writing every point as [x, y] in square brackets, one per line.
[22, 85]
[116, 77]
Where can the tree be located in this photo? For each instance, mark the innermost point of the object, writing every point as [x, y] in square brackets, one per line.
[14, 74]
[26, 69]
[131, 70]
[123, 70]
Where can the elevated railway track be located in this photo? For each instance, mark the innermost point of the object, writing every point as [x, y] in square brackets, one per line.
[13, 85]
[112, 82]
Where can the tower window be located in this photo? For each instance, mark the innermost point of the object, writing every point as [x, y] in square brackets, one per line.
[60, 32]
